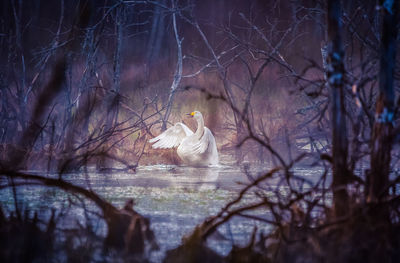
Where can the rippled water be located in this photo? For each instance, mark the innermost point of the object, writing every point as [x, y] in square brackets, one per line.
[174, 198]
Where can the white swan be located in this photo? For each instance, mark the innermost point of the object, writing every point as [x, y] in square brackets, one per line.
[196, 149]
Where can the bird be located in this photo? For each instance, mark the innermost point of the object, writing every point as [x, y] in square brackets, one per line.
[194, 149]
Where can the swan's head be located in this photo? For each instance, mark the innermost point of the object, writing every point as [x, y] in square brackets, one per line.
[195, 114]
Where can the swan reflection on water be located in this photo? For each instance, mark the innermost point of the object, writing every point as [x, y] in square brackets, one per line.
[196, 178]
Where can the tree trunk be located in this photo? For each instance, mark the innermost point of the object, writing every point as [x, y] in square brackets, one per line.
[178, 72]
[19, 52]
[339, 130]
[382, 135]
[156, 34]
[117, 59]
[114, 97]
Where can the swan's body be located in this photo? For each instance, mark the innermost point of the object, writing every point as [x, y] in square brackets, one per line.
[197, 149]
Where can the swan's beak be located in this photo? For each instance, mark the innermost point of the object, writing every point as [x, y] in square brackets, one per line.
[190, 114]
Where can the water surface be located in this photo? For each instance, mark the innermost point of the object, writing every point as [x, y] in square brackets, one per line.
[174, 198]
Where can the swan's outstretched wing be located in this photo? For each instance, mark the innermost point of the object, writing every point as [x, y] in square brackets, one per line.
[172, 137]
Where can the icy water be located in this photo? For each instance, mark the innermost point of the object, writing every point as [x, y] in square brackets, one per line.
[174, 198]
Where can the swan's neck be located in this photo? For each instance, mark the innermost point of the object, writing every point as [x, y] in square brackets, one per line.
[200, 128]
